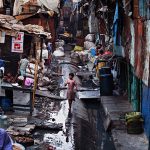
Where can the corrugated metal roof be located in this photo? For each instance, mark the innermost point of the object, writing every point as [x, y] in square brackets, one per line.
[11, 23]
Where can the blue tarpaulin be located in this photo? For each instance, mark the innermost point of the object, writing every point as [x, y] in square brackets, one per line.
[117, 25]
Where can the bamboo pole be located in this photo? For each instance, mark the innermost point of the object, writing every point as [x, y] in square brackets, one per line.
[35, 78]
[35, 82]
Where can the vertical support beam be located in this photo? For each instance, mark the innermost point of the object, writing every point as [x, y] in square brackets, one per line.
[31, 103]
[35, 82]
[41, 49]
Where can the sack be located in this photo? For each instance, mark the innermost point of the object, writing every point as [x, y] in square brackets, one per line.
[90, 38]
[58, 53]
[29, 75]
[78, 48]
[44, 53]
[88, 45]
[28, 71]
[60, 43]
[32, 66]
[75, 58]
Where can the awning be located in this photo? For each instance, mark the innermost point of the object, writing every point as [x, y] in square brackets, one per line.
[9, 23]
[49, 4]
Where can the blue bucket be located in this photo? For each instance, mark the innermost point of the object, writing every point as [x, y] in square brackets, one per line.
[6, 103]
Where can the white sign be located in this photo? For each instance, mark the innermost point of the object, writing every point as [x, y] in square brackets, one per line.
[17, 43]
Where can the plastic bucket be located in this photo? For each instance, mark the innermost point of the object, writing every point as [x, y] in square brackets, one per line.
[6, 103]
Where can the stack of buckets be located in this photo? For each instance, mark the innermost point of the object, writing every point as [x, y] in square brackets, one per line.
[106, 81]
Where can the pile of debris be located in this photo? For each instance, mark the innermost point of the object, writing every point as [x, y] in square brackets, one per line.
[22, 129]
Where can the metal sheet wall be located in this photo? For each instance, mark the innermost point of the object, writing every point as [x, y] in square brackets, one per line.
[147, 55]
[132, 43]
[134, 93]
[146, 108]
[134, 89]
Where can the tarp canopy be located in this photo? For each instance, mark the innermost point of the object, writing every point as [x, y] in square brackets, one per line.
[13, 26]
[18, 6]
[49, 4]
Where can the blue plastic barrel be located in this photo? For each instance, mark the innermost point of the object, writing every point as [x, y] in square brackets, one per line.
[104, 70]
[93, 52]
[1, 97]
[6, 103]
[106, 85]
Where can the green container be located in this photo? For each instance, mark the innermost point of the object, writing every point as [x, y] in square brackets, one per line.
[134, 123]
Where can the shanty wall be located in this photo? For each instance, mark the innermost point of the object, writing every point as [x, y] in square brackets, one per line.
[11, 65]
[136, 42]
[48, 25]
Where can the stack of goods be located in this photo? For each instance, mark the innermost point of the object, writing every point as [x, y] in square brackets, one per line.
[30, 72]
[75, 58]
[59, 52]
[89, 41]
[59, 43]
[134, 122]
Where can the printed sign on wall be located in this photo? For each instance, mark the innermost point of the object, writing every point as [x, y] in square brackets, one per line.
[17, 43]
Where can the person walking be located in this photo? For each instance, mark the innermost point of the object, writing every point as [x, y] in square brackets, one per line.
[23, 64]
[71, 90]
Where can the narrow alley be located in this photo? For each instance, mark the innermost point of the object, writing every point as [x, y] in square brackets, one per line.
[74, 75]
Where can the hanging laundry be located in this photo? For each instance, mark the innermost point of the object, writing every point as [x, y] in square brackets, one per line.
[117, 25]
[139, 47]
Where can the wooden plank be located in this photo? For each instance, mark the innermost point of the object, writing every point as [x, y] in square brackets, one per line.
[22, 17]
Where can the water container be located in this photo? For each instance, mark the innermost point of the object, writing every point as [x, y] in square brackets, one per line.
[101, 63]
[6, 103]
[106, 85]
[104, 70]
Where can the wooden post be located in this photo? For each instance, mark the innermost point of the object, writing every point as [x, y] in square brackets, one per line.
[41, 49]
[35, 79]
[35, 82]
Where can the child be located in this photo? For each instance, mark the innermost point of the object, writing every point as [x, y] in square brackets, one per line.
[70, 91]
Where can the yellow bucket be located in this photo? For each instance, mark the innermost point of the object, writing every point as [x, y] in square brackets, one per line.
[99, 66]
